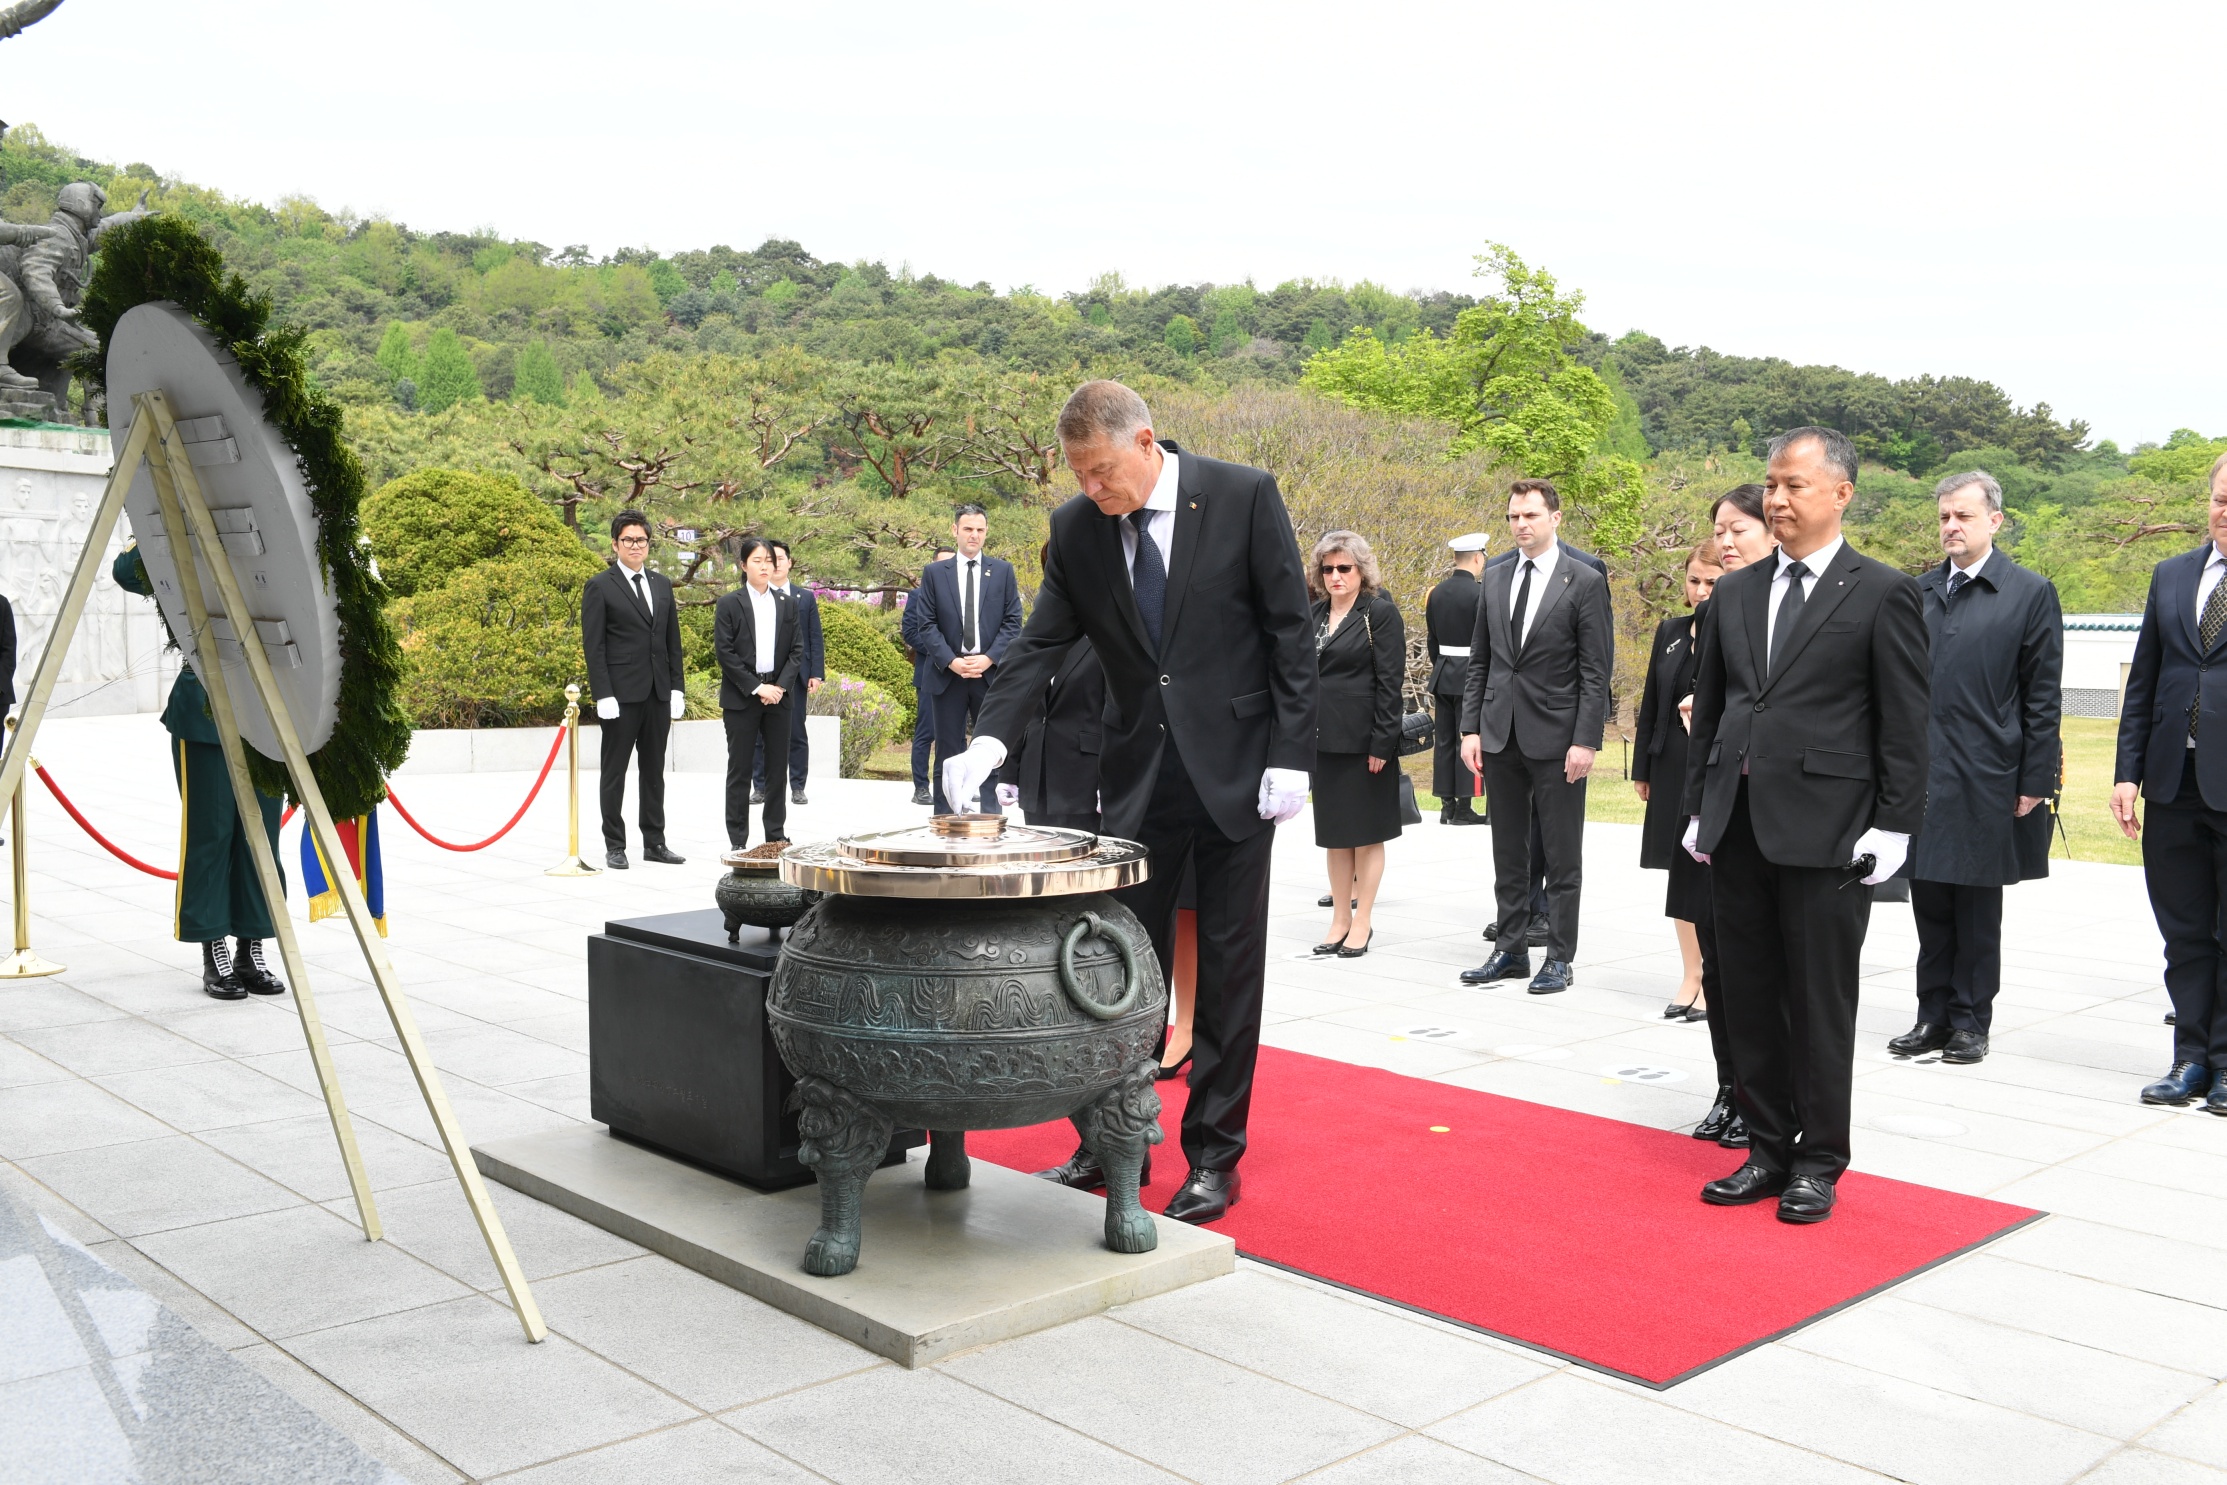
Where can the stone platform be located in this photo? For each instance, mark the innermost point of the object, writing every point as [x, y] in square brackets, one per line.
[941, 1272]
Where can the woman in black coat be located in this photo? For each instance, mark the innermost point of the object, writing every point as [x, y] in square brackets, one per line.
[1361, 655]
[1659, 758]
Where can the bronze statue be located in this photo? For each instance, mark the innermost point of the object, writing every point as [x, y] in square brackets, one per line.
[42, 279]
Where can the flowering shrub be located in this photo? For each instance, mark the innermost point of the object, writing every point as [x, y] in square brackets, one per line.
[871, 718]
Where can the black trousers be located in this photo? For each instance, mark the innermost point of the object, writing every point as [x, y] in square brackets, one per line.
[956, 707]
[923, 738]
[1522, 789]
[2184, 860]
[640, 729]
[1788, 939]
[1232, 885]
[1712, 986]
[747, 726]
[1960, 953]
[1451, 779]
[800, 749]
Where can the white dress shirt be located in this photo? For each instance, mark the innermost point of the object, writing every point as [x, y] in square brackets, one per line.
[2214, 566]
[639, 581]
[763, 618]
[1815, 563]
[1543, 568]
[1967, 573]
[970, 585]
[1160, 525]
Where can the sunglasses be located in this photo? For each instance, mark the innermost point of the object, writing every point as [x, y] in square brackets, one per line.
[1340, 568]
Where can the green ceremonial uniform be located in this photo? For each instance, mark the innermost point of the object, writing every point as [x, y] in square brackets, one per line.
[218, 894]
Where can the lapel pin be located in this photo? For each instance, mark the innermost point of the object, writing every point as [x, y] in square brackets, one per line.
[1194, 505]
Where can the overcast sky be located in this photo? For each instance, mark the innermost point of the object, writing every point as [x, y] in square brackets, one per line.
[2027, 193]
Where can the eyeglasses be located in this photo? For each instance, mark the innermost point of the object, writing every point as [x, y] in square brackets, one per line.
[1340, 568]
[633, 541]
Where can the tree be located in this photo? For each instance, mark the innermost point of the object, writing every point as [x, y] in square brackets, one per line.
[1228, 333]
[536, 376]
[1181, 335]
[395, 356]
[447, 377]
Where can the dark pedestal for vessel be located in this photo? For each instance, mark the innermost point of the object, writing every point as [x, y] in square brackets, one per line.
[678, 1055]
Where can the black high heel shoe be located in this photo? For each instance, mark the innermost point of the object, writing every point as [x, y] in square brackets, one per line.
[1336, 945]
[1169, 1072]
[1345, 952]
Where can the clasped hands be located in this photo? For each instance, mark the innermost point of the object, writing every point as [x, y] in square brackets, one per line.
[969, 666]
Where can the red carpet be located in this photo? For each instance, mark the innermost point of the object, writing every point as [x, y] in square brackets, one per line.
[1571, 1233]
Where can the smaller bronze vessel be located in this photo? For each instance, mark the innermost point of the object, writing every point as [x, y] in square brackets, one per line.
[752, 892]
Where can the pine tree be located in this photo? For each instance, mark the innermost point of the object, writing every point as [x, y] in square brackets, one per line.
[537, 377]
[1228, 333]
[1182, 335]
[396, 359]
[446, 377]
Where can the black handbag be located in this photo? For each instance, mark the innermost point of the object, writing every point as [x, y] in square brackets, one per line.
[1411, 813]
[1418, 734]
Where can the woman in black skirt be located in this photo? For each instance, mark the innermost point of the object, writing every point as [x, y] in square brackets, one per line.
[1361, 656]
[1659, 776]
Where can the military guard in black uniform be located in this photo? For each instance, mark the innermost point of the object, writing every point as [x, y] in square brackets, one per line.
[1451, 619]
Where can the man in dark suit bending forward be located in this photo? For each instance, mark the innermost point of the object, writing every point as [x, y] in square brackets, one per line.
[1808, 757]
[1184, 574]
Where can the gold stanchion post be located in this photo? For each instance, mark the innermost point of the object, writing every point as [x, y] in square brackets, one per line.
[572, 865]
[23, 964]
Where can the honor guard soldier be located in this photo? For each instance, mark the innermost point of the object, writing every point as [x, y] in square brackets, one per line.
[1451, 618]
[218, 896]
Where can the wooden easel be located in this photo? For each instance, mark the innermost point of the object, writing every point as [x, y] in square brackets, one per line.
[154, 440]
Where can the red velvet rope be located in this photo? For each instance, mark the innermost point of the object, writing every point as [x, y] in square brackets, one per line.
[110, 846]
[546, 765]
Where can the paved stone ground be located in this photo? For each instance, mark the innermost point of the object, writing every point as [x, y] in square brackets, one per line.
[176, 1138]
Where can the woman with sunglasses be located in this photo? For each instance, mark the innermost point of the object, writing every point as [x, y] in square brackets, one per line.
[1361, 655]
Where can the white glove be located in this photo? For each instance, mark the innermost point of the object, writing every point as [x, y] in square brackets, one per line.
[1283, 793]
[964, 775]
[1887, 848]
[680, 704]
[1693, 838]
[607, 707]
[1008, 796]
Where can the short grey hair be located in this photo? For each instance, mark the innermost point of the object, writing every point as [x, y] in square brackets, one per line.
[1839, 452]
[1102, 409]
[1354, 545]
[1980, 477]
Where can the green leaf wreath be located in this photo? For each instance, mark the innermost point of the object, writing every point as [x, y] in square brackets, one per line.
[164, 257]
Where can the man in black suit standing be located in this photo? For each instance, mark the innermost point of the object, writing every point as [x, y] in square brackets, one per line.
[1997, 643]
[760, 645]
[2173, 749]
[815, 670]
[970, 612]
[1450, 619]
[923, 710]
[1533, 711]
[631, 633]
[1183, 573]
[1806, 774]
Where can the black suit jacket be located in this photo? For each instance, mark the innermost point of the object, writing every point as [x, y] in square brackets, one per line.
[1671, 665]
[7, 653]
[1550, 693]
[1450, 618]
[1056, 765]
[629, 657]
[735, 642]
[2172, 676]
[808, 625]
[1361, 670]
[1834, 743]
[1233, 681]
[939, 627]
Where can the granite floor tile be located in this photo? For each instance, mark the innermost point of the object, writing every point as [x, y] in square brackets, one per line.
[303, 1155]
[365, 1428]
[97, 1047]
[249, 1028]
[433, 1222]
[492, 1056]
[2147, 1467]
[2116, 1202]
[699, 1453]
[42, 1003]
[482, 1113]
[214, 1324]
[47, 1118]
[461, 1380]
[369, 1073]
[566, 1029]
[1113, 1383]
[20, 1066]
[696, 1338]
[1416, 1459]
[895, 1427]
[297, 1270]
[2198, 1431]
[2129, 1322]
[2135, 1260]
[210, 1095]
[148, 1186]
[486, 998]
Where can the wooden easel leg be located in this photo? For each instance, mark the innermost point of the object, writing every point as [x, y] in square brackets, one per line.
[251, 825]
[175, 480]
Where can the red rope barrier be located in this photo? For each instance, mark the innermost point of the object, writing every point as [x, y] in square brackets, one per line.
[546, 765]
[110, 846]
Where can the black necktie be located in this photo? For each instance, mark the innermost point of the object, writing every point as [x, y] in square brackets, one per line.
[1148, 576]
[641, 596]
[1523, 600]
[1790, 609]
[2208, 626]
[1956, 581]
[966, 610]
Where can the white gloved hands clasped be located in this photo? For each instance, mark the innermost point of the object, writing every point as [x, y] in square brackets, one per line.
[1009, 795]
[1283, 793]
[680, 704]
[1887, 849]
[607, 708]
[965, 774]
[1693, 839]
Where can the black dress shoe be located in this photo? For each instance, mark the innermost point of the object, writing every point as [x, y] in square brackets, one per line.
[1537, 936]
[219, 980]
[616, 860]
[1926, 1036]
[662, 856]
[922, 796]
[1735, 1136]
[1083, 1172]
[1492, 933]
[249, 968]
[1503, 965]
[758, 795]
[2216, 1101]
[1460, 814]
[2182, 1082]
[1744, 1187]
[1965, 1046]
[1806, 1199]
[2171, 1019]
[1205, 1196]
[1331, 947]
[796, 796]
[1718, 1119]
[1347, 951]
[1554, 975]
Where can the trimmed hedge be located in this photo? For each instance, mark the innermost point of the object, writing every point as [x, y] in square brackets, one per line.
[430, 525]
[495, 645]
[858, 646]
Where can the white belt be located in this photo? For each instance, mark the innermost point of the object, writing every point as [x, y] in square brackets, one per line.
[1453, 652]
